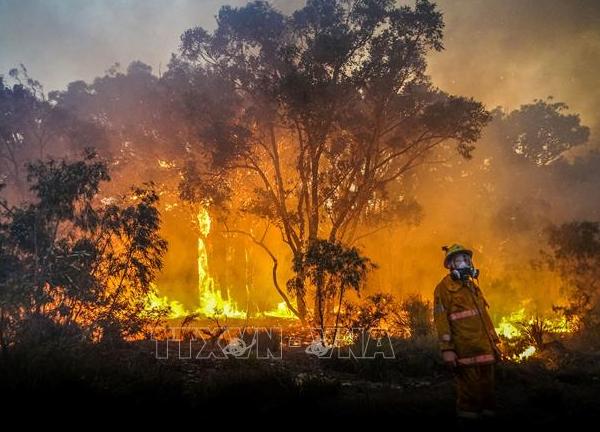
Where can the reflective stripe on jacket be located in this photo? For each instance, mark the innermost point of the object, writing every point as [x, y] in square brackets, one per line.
[463, 323]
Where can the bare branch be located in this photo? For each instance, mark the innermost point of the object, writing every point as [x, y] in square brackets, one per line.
[262, 244]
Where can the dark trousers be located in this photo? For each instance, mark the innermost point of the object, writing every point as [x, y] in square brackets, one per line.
[475, 391]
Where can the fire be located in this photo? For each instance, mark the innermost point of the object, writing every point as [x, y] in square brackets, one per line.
[529, 351]
[176, 309]
[212, 303]
[166, 164]
[211, 300]
[281, 311]
[512, 327]
[508, 327]
[204, 223]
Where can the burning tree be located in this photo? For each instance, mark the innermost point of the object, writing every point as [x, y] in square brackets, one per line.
[333, 111]
[74, 265]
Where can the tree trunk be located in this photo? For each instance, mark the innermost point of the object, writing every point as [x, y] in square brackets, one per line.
[301, 304]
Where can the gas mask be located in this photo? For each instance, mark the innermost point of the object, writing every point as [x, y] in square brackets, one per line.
[461, 267]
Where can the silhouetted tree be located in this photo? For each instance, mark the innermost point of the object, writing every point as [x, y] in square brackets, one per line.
[32, 128]
[334, 109]
[542, 131]
[332, 269]
[575, 256]
[78, 265]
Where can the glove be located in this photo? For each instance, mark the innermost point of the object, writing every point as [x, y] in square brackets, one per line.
[449, 358]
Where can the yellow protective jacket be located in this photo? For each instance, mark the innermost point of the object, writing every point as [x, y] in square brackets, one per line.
[463, 323]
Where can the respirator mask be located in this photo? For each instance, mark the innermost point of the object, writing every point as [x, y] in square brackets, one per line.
[461, 267]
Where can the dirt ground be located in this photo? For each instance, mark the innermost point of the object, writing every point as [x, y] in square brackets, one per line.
[412, 389]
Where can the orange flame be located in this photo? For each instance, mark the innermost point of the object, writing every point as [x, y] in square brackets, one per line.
[212, 301]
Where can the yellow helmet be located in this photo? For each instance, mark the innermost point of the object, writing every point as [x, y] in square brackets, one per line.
[453, 250]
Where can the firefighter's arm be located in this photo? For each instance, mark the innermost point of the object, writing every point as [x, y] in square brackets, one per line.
[489, 324]
[440, 317]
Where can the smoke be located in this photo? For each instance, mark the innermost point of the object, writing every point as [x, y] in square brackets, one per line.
[510, 52]
[503, 53]
[63, 41]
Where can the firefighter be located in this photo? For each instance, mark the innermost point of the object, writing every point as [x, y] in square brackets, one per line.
[466, 334]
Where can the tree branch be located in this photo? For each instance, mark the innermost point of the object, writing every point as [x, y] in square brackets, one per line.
[262, 245]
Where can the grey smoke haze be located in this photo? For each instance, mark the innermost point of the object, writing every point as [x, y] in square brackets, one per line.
[503, 52]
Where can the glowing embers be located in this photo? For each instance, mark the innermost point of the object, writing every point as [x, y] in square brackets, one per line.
[165, 164]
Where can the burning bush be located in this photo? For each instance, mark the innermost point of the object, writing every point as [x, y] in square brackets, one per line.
[524, 335]
[368, 314]
[411, 318]
[71, 265]
[414, 318]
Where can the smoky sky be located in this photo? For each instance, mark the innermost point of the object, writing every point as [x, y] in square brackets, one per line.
[502, 52]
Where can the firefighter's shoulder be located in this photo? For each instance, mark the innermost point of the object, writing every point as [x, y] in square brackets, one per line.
[446, 285]
[440, 288]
